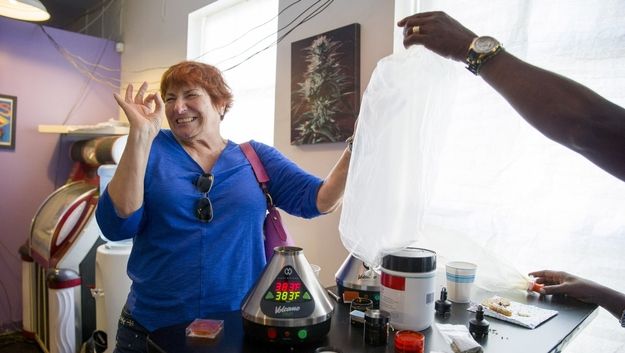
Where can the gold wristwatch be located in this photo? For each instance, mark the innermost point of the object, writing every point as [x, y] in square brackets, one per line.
[480, 51]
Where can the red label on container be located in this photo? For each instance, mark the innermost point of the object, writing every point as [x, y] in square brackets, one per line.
[393, 282]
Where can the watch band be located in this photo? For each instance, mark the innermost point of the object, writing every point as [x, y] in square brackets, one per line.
[476, 64]
[350, 143]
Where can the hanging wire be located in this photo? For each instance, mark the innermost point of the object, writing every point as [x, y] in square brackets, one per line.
[102, 11]
[308, 17]
[270, 35]
[312, 15]
[99, 66]
[249, 31]
[115, 84]
[91, 73]
[96, 8]
[231, 42]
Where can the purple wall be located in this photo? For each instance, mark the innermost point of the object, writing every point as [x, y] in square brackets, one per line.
[49, 91]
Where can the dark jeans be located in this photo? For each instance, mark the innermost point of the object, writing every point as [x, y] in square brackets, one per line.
[131, 336]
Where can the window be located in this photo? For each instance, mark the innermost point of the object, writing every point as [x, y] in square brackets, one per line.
[238, 37]
[511, 189]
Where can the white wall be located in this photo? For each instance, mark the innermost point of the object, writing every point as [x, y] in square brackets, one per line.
[320, 237]
[155, 35]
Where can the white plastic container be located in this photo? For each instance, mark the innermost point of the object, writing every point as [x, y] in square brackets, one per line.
[407, 288]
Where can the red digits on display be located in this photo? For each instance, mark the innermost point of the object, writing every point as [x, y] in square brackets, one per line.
[294, 286]
[287, 291]
[288, 286]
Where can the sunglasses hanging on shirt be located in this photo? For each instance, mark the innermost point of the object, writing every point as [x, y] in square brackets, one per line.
[204, 207]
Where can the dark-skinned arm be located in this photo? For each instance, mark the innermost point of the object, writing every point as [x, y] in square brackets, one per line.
[562, 109]
[558, 282]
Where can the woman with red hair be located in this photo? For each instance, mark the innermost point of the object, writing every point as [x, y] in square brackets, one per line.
[191, 203]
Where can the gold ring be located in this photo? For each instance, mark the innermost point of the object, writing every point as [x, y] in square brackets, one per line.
[415, 29]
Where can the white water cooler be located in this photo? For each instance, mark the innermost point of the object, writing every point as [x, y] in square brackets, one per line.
[112, 287]
[112, 284]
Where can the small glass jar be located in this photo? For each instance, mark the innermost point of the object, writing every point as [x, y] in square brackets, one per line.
[376, 327]
[360, 304]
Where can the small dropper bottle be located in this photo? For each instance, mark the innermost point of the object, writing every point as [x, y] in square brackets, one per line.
[478, 327]
[443, 306]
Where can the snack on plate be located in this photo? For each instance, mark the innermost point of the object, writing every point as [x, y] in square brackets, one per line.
[498, 304]
[526, 315]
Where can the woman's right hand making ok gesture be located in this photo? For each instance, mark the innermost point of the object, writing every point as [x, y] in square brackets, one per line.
[145, 115]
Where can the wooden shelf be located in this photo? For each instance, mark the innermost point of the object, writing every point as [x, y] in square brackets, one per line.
[100, 129]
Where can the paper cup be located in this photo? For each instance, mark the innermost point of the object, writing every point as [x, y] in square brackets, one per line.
[460, 278]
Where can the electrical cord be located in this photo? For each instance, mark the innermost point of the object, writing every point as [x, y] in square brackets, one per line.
[83, 91]
[316, 12]
[270, 35]
[103, 10]
[96, 8]
[116, 84]
[308, 17]
[247, 32]
[91, 74]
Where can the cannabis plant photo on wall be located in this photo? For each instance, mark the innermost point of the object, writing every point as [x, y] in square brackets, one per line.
[325, 86]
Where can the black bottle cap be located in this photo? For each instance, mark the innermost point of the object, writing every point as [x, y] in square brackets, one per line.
[478, 327]
[443, 306]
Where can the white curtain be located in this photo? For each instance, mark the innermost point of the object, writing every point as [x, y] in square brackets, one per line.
[501, 183]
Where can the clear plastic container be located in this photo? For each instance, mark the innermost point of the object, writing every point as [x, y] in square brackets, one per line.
[407, 341]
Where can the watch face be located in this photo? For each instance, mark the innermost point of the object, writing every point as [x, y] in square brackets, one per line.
[485, 44]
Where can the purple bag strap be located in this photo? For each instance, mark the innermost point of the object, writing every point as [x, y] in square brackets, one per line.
[257, 165]
[259, 170]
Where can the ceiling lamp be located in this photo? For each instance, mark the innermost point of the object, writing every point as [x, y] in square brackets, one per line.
[27, 10]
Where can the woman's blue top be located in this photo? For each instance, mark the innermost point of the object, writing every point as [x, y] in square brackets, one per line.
[182, 268]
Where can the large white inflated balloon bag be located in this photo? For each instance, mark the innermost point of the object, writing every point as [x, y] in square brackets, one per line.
[395, 152]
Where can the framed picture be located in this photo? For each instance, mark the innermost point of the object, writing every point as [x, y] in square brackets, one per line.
[325, 86]
[8, 111]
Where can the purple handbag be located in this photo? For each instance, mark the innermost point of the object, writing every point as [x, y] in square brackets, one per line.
[275, 233]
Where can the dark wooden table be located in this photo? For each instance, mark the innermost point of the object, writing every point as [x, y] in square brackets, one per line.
[551, 336]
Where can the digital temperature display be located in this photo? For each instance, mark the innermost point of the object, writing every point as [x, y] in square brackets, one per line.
[287, 296]
[287, 288]
[287, 291]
